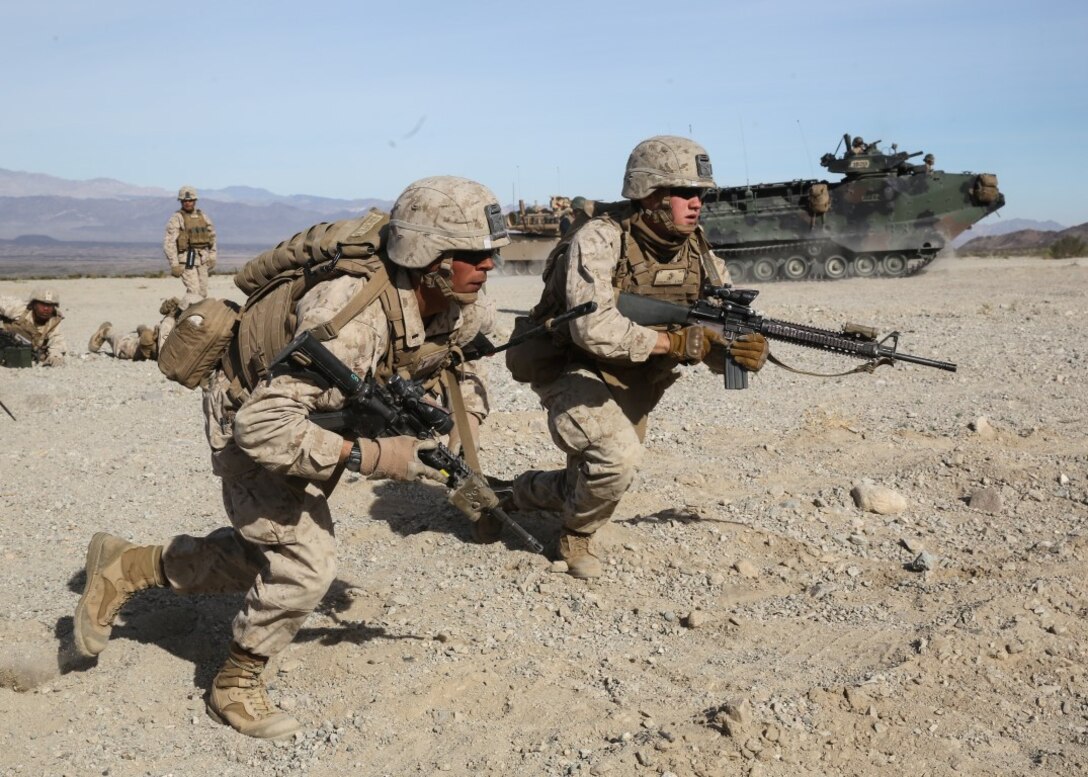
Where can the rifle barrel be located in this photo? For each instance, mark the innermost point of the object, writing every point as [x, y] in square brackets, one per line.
[906, 357]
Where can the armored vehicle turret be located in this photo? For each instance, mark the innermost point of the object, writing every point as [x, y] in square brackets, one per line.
[885, 217]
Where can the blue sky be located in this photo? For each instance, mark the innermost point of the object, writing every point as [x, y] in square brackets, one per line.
[358, 99]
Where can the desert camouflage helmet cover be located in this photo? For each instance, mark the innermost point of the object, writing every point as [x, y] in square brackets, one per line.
[45, 294]
[187, 193]
[444, 213]
[666, 161]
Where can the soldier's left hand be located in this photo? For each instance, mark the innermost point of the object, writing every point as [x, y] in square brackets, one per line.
[750, 351]
[211, 265]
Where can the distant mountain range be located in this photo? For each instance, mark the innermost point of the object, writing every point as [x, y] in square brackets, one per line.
[1021, 241]
[109, 211]
[999, 227]
[36, 209]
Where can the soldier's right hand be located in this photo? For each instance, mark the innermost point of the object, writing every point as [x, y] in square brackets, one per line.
[691, 344]
[397, 458]
[175, 270]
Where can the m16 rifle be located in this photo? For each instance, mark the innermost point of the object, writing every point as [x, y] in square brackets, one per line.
[399, 407]
[728, 312]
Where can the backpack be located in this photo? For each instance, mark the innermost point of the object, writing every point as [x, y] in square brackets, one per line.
[243, 341]
[198, 341]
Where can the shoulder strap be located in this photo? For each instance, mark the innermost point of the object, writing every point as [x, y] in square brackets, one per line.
[460, 418]
[372, 289]
[710, 272]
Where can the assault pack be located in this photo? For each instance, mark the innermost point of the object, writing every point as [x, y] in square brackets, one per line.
[244, 340]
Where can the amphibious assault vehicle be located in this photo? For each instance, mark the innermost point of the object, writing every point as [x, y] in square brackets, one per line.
[886, 217]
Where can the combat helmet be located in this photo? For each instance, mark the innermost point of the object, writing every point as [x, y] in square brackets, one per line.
[443, 213]
[45, 294]
[666, 161]
[187, 193]
[928, 159]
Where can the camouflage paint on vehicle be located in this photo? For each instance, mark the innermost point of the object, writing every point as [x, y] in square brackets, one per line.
[886, 217]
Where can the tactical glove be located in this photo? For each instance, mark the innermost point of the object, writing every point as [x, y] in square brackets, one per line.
[691, 344]
[397, 458]
[750, 351]
[211, 265]
[175, 270]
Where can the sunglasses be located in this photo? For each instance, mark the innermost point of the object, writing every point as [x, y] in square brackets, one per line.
[686, 192]
[474, 257]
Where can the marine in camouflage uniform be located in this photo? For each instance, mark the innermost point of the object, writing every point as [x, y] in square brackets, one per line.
[616, 370]
[278, 468]
[146, 342]
[190, 227]
[38, 320]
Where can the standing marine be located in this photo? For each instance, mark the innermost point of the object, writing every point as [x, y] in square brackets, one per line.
[38, 320]
[278, 468]
[189, 244]
[610, 372]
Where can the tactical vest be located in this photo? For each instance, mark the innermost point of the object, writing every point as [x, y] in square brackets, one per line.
[542, 359]
[676, 282]
[38, 336]
[195, 231]
[635, 272]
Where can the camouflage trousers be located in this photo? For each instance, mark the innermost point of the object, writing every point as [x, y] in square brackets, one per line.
[600, 427]
[126, 346]
[195, 280]
[280, 550]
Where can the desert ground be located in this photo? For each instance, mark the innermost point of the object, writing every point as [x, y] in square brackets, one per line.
[752, 620]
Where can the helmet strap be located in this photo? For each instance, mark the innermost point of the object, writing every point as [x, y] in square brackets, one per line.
[441, 278]
[658, 216]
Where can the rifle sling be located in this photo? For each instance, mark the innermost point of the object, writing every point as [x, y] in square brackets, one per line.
[868, 366]
[460, 417]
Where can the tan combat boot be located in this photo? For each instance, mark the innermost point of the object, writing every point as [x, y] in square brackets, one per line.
[116, 569]
[147, 337]
[238, 699]
[99, 336]
[574, 548]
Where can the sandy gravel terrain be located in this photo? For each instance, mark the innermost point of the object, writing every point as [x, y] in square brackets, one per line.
[752, 619]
